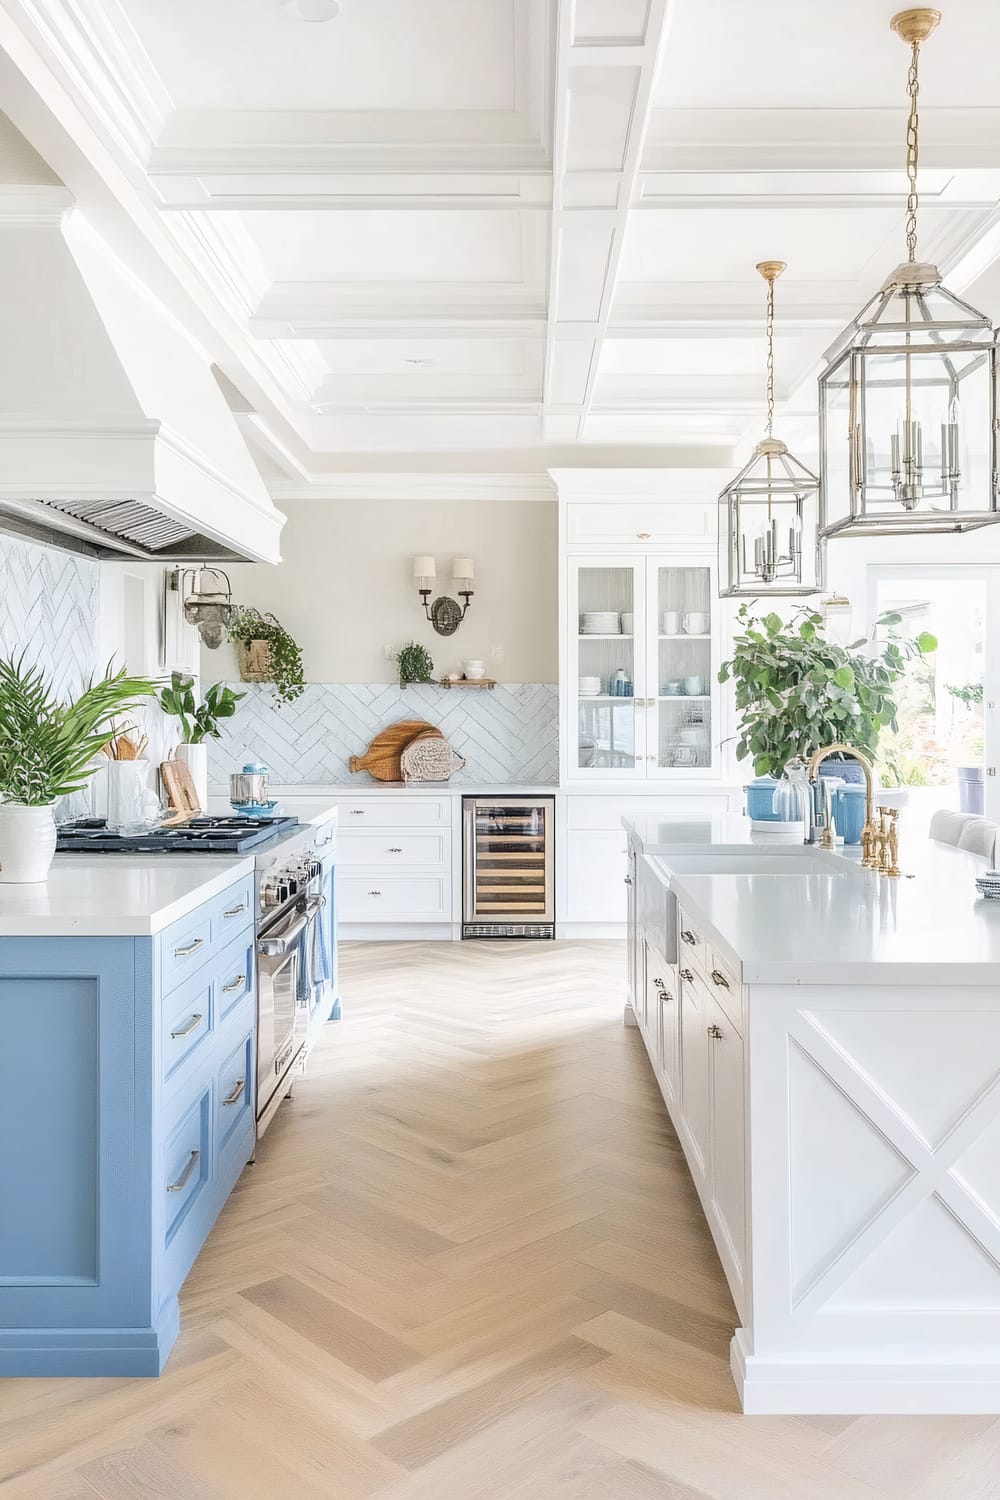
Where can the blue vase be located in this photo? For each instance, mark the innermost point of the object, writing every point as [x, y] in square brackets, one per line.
[760, 799]
[849, 812]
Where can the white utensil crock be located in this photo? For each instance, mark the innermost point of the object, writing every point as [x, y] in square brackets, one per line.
[195, 757]
[27, 843]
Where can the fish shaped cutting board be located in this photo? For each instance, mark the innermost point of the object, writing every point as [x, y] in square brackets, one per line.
[381, 759]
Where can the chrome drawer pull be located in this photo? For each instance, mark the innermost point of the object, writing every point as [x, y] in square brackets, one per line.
[374, 893]
[192, 1025]
[689, 937]
[721, 979]
[628, 880]
[237, 1090]
[357, 812]
[191, 948]
[716, 1033]
[182, 1181]
[394, 851]
[234, 984]
[659, 984]
[234, 911]
[688, 975]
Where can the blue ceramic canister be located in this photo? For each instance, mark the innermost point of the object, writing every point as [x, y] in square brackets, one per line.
[849, 812]
[760, 799]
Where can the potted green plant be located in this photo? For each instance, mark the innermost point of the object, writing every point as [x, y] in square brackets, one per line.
[198, 722]
[414, 664]
[796, 690]
[267, 652]
[47, 750]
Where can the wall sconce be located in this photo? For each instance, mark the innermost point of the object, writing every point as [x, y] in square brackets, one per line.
[207, 600]
[444, 614]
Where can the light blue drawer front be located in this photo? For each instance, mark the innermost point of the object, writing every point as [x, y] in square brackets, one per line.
[188, 1021]
[234, 973]
[188, 1161]
[234, 1092]
[232, 911]
[184, 948]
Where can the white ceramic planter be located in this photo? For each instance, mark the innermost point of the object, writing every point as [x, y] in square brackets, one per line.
[195, 757]
[27, 843]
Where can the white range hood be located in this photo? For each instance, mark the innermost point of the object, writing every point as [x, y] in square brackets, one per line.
[115, 437]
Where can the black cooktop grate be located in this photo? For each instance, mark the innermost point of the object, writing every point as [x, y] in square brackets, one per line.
[229, 835]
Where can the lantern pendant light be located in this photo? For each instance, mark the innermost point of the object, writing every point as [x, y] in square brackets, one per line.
[768, 513]
[912, 386]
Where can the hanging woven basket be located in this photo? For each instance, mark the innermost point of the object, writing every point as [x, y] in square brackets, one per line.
[255, 661]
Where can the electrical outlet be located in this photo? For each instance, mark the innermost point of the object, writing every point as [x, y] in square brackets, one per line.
[496, 655]
[389, 651]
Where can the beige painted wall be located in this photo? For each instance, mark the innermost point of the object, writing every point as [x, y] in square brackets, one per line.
[344, 589]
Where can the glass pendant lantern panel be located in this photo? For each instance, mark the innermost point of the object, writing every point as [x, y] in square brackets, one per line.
[771, 541]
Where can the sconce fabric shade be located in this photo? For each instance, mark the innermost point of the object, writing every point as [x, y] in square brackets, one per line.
[463, 568]
[424, 567]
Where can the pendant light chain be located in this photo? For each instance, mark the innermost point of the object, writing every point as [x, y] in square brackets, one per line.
[912, 154]
[770, 357]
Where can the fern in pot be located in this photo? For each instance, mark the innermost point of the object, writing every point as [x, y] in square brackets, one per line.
[47, 751]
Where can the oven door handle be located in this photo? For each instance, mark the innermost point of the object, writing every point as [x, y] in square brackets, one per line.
[274, 947]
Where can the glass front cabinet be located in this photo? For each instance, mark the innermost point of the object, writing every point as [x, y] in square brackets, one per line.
[642, 660]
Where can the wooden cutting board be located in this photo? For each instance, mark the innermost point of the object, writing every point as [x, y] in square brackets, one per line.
[180, 787]
[381, 759]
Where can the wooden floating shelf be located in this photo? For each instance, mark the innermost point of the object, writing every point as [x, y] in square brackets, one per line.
[475, 682]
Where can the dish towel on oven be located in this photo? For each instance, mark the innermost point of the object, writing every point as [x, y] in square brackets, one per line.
[322, 970]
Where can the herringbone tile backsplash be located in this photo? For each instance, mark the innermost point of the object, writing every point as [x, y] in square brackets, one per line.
[508, 734]
[48, 605]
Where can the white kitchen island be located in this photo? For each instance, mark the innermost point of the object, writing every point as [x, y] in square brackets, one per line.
[828, 1046]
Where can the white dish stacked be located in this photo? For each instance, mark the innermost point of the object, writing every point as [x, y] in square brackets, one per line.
[590, 687]
[600, 622]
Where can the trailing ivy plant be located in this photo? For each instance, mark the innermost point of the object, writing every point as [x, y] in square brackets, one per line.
[414, 664]
[284, 655]
[797, 691]
[198, 720]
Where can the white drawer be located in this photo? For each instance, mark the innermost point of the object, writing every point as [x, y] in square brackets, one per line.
[638, 523]
[393, 810]
[393, 898]
[390, 849]
[607, 812]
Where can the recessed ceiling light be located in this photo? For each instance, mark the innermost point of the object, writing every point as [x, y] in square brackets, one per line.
[312, 10]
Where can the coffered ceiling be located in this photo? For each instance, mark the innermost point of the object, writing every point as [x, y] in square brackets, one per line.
[432, 226]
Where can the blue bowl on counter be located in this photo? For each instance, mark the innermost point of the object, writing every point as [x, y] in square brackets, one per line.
[254, 809]
[760, 799]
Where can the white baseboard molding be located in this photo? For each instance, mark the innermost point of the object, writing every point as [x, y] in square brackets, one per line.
[800, 1387]
[398, 932]
[577, 931]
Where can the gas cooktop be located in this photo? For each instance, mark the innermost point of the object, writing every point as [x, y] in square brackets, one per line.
[230, 835]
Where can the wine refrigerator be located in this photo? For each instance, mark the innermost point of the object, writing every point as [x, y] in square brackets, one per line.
[508, 887]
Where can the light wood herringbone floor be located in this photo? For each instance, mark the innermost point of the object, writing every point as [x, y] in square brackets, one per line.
[468, 1265]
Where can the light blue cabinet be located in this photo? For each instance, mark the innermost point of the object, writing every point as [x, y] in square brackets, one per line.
[126, 1116]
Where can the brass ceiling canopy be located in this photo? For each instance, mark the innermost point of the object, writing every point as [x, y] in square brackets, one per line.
[915, 26]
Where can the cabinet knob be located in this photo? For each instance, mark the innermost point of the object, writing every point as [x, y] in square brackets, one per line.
[659, 984]
[689, 937]
[644, 536]
[720, 979]
[688, 975]
[716, 1033]
[628, 880]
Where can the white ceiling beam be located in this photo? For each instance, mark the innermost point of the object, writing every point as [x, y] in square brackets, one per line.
[603, 104]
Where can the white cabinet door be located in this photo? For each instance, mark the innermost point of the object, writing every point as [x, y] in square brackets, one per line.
[597, 864]
[728, 1135]
[605, 665]
[695, 1100]
[682, 663]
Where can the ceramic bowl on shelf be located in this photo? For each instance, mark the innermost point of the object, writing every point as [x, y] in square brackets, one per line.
[589, 687]
[473, 670]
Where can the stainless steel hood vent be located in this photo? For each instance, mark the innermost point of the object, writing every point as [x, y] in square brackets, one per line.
[147, 528]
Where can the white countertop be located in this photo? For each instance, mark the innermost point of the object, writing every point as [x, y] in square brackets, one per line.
[116, 895]
[856, 927]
